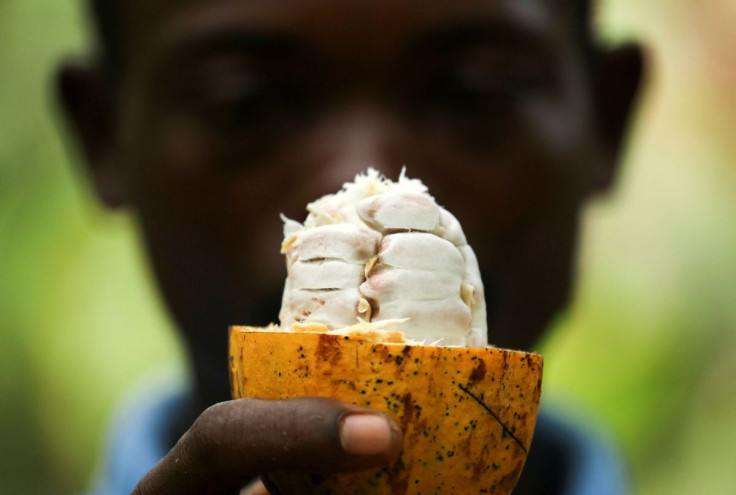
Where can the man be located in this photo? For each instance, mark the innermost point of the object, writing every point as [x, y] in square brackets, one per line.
[209, 118]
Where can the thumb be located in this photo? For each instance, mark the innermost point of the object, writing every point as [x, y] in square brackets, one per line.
[235, 441]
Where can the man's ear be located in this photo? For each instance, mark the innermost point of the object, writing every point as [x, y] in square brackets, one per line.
[87, 100]
[617, 79]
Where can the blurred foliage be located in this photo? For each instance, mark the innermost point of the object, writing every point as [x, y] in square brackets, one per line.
[79, 321]
[649, 345]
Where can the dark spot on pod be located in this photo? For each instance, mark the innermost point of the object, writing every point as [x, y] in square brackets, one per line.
[477, 470]
[328, 349]
[409, 406]
[479, 373]
[399, 477]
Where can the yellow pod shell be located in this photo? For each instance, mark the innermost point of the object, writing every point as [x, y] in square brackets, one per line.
[467, 414]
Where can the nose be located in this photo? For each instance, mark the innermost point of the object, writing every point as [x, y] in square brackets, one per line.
[351, 139]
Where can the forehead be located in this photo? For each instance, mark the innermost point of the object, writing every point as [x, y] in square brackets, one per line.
[155, 27]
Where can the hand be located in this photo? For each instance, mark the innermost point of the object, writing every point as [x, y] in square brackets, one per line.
[233, 442]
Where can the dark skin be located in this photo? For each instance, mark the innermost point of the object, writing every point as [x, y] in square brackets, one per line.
[226, 113]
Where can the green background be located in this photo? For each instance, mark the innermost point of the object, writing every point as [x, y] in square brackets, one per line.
[649, 345]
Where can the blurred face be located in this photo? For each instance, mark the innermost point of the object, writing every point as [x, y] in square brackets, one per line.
[231, 112]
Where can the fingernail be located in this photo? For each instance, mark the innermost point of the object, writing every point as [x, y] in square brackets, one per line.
[365, 435]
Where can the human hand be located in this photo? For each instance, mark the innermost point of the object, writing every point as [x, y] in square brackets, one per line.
[235, 441]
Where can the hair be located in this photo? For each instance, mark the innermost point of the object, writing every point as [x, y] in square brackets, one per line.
[106, 19]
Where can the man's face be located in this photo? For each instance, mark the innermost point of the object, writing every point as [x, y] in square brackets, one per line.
[231, 112]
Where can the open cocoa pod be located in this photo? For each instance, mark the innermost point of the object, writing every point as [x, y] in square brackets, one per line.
[467, 414]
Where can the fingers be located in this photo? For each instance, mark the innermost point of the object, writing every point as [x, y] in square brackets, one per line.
[233, 441]
[256, 436]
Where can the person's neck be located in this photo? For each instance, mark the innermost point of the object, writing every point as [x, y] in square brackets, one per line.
[208, 359]
[209, 386]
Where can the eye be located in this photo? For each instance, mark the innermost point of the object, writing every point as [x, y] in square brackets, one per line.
[234, 101]
[227, 92]
[233, 104]
[482, 77]
[485, 80]
[231, 89]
